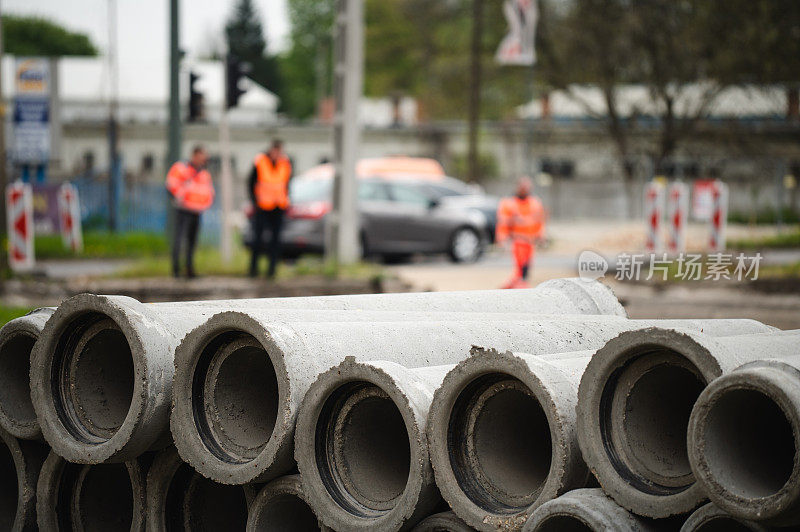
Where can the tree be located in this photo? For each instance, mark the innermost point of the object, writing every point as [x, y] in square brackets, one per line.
[35, 36]
[307, 66]
[684, 53]
[245, 36]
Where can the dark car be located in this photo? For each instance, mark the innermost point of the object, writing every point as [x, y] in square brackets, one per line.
[398, 217]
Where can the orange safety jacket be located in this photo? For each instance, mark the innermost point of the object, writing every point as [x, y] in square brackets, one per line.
[520, 219]
[192, 189]
[272, 182]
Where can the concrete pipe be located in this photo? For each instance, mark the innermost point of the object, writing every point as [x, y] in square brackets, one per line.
[102, 498]
[101, 378]
[282, 505]
[711, 518]
[209, 506]
[587, 510]
[502, 427]
[17, 338]
[744, 441]
[634, 403]
[20, 463]
[442, 522]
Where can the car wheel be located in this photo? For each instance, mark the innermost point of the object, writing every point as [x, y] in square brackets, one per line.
[465, 245]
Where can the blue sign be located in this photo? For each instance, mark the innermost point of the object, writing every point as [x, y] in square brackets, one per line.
[32, 111]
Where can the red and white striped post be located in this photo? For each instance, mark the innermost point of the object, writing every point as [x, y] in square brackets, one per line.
[19, 209]
[654, 215]
[69, 212]
[719, 216]
[677, 215]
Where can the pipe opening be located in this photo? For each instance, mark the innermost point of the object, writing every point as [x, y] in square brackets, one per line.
[209, 506]
[93, 378]
[288, 513]
[563, 523]
[236, 397]
[9, 488]
[749, 444]
[104, 499]
[723, 524]
[362, 449]
[500, 443]
[174, 518]
[644, 416]
[15, 382]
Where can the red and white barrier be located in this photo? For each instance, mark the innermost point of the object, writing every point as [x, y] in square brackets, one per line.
[19, 215]
[719, 217]
[654, 215]
[677, 216]
[69, 212]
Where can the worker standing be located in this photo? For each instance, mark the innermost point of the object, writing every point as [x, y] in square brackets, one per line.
[192, 191]
[520, 221]
[269, 191]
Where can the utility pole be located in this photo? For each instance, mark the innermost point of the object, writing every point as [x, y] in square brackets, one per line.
[174, 150]
[114, 169]
[226, 172]
[342, 240]
[3, 158]
[475, 90]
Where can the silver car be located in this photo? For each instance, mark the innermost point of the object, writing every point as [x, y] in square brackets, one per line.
[398, 217]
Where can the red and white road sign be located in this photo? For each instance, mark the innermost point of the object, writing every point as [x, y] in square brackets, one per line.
[654, 215]
[19, 212]
[677, 216]
[719, 216]
[69, 213]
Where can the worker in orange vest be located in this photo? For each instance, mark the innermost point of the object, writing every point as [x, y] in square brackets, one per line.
[269, 192]
[520, 222]
[192, 191]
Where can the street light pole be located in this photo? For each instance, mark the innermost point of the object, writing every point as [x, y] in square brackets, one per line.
[174, 150]
[3, 157]
[114, 170]
[342, 245]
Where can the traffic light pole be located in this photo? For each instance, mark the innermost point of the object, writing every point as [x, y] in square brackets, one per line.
[342, 240]
[226, 180]
[174, 150]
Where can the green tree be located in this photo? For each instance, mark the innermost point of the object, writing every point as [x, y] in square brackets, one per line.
[245, 36]
[307, 66]
[35, 36]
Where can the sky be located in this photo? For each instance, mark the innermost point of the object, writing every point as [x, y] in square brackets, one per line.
[143, 38]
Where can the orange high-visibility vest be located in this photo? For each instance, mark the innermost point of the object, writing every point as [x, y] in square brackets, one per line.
[193, 190]
[520, 219]
[272, 183]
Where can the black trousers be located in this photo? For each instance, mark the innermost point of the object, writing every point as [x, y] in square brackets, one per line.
[273, 221]
[187, 224]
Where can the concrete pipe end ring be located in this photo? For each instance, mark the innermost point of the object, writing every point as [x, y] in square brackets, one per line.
[89, 378]
[231, 411]
[629, 387]
[340, 481]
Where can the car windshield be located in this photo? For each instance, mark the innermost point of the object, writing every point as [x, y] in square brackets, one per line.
[447, 187]
[305, 190]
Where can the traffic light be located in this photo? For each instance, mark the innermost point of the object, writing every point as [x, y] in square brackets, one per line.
[235, 70]
[196, 100]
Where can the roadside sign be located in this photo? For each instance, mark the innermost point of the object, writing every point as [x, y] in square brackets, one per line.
[70, 214]
[518, 47]
[677, 214]
[719, 216]
[19, 214]
[654, 214]
[31, 113]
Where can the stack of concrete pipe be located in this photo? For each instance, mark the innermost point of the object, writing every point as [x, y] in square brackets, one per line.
[543, 409]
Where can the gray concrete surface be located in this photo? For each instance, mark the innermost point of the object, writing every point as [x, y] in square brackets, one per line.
[585, 509]
[17, 339]
[20, 463]
[711, 517]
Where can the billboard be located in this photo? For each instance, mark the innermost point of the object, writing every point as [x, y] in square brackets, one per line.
[32, 111]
